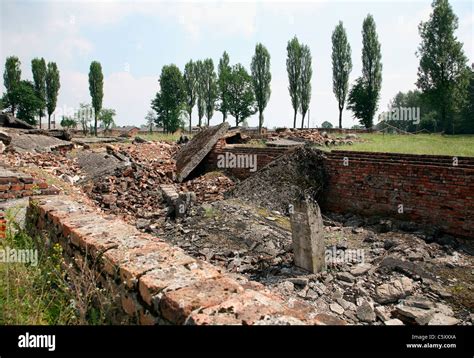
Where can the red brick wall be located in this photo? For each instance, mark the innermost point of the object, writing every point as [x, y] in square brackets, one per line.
[20, 185]
[264, 156]
[431, 190]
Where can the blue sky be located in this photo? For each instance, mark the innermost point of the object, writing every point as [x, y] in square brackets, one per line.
[133, 40]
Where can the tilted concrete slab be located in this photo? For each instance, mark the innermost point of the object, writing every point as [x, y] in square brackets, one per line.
[23, 142]
[7, 120]
[189, 157]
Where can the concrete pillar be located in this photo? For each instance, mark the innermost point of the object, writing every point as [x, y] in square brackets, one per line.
[308, 235]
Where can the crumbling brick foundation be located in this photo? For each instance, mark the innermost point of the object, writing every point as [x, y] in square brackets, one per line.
[14, 185]
[158, 283]
[264, 155]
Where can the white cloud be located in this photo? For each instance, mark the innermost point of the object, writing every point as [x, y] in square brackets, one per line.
[130, 96]
[222, 18]
[122, 92]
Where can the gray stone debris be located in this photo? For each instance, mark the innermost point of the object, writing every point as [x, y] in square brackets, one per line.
[381, 313]
[394, 290]
[336, 308]
[419, 302]
[413, 315]
[440, 319]
[365, 312]
[346, 277]
[360, 269]
[346, 304]
[393, 322]
[299, 281]
[5, 138]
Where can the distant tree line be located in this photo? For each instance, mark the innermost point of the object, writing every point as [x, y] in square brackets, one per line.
[29, 100]
[26, 99]
[444, 93]
[232, 90]
[445, 84]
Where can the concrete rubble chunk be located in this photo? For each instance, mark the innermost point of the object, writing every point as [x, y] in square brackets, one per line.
[365, 312]
[394, 290]
[8, 120]
[191, 155]
[382, 313]
[413, 315]
[178, 202]
[38, 143]
[440, 319]
[360, 269]
[308, 235]
[393, 322]
[336, 308]
[345, 276]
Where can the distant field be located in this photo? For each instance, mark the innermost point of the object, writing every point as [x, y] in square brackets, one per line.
[161, 137]
[434, 144]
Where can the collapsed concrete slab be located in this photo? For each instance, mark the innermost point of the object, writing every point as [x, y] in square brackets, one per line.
[98, 164]
[7, 120]
[189, 157]
[22, 142]
[57, 133]
[308, 235]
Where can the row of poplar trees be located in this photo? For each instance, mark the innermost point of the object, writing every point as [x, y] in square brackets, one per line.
[29, 100]
[232, 90]
[445, 81]
[26, 99]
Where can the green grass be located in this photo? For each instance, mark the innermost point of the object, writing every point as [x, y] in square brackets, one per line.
[161, 137]
[33, 293]
[46, 292]
[433, 144]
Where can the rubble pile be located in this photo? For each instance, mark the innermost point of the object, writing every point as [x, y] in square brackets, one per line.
[155, 154]
[313, 136]
[373, 276]
[277, 185]
[379, 271]
[56, 163]
[133, 190]
[231, 235]
[389, 278]
[209, 187]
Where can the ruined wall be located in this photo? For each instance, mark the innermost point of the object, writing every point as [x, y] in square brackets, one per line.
[431, 189]
[15, 185]
[264, 155]
[154, 282]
